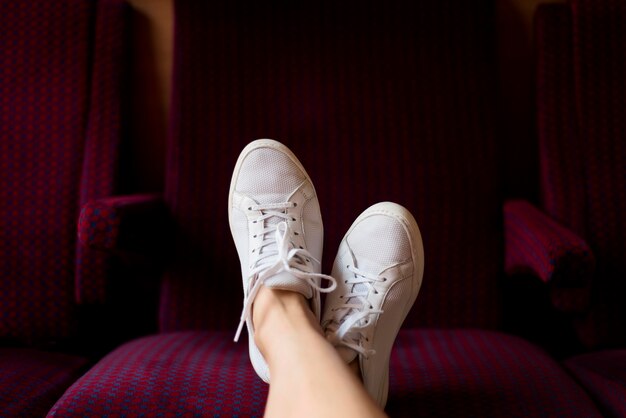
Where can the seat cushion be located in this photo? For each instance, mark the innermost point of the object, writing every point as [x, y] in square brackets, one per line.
[475, 373]
[183, 374]
[433, 373]
[603, 374]
[31, 381]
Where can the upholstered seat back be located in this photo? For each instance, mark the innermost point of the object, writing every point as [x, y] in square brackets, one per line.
[380, 102]
[59, 136]
[582, 115]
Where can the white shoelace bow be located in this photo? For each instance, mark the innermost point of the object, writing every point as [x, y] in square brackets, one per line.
[277, 253]
[354, 316]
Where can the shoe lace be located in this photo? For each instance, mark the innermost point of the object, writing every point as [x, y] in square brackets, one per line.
[277, 253]
[353, 318]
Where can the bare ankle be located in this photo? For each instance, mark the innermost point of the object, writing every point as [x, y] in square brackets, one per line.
[355, 367]
[279, 314]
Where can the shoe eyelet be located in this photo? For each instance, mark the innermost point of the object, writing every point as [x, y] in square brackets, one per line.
[293, 219]
[295, 204]
[249, 207]
[254, 236]
[301, 247]
[295, 233]
[345, 281]
[384, 279]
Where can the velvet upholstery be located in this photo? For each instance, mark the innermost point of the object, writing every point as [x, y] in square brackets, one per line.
[390, 102]
[434, 373]
[477, 373]
[600, 84]
[582, 132]
[582, 135]
[125, 224]
[44, 95]
[31, 380]
[192, 373]
[603, 374]
[540, 246]
[60, 140]
[103, 135]
[379, 103]
[60, 70]
[560, 152]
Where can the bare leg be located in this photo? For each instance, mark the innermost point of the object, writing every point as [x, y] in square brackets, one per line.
[308, 378]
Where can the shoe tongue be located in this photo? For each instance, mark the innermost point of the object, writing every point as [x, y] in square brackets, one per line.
[287, 281]
[364, 265]
[357, 288]
[273, 221]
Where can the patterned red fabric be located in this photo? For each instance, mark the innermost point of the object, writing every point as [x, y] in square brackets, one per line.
[561, 156]
[604, 376]
[102, 146]
[582, 90]
[581, 87]
[433, 374]
[176, 374]
[600, 80]
[31, 381]
[60, 137]
[44, 89]
[115, 223]
[474, 373]
[397, 107]
[48, 96]
[537, 244]
[99, 225]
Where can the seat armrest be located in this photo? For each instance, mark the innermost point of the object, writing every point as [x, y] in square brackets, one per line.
[537, 244]
[133, 224]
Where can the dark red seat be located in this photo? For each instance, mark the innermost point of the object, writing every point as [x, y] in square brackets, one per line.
[60, 69]
[582, 132]
[380, 102]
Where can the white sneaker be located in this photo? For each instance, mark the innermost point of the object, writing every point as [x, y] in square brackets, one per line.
[277, 227]
[379, 269]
